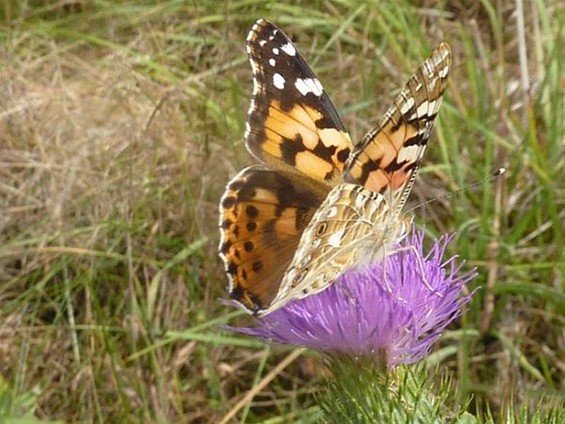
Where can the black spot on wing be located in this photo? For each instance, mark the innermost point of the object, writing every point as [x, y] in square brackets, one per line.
[236, 185]
[325, 122]
[251, 211]
[324, 152]
[343, 155]
[257, 266]
[225, 247]
[321, 229]
[329, 175]
[395, 166]
[290, 148]
[232, 268]
[228, 202]
[418, 140]
[368, 167]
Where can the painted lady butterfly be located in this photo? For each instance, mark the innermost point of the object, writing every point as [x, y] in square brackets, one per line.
[317, 205]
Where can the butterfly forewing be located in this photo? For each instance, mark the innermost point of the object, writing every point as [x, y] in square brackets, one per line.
[292, 123]
[389, 155]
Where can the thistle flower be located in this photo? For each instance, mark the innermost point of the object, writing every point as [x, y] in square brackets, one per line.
[393, 310]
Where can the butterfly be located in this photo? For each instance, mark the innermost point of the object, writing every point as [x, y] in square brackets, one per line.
[317, 205]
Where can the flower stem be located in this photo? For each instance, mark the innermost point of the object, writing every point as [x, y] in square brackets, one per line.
[361, 390]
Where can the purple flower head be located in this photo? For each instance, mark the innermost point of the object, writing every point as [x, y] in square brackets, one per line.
[393, 310]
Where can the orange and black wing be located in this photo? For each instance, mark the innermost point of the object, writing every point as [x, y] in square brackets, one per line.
[387, 159]
[292, 124]
[262, 216]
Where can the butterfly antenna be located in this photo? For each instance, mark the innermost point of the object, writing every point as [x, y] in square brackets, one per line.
[495, 174]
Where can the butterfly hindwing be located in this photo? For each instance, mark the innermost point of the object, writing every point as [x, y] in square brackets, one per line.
[262, 216]
[388, 157]
[292, 123]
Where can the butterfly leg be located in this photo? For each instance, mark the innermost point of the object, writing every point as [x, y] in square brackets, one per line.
[348, 294]
[420, 263]
[386, 283]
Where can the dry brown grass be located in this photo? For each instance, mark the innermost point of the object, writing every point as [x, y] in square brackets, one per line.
[102, 184]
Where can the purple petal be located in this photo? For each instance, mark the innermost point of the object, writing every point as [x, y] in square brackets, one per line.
[393, 309]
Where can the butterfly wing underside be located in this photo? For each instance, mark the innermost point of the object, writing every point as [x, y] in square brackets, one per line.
[350, 228]
[292, 124]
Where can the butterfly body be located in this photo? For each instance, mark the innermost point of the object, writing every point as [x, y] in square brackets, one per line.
[317, 205]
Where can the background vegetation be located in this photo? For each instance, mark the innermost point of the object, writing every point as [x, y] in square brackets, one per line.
[121, 122]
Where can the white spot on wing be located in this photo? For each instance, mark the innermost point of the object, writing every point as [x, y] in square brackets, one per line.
[443, 72]
[278, 81]
[272, 62]
[262, 42]
[335, 239]
[309, 85]
[331, 212]
[275, 51]
[407, 106]
[432, 84]
[289, 49]
[424, 107]
[410, 154]
[375, 205]
[334, 195]
[319, 87]
[360, 201]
